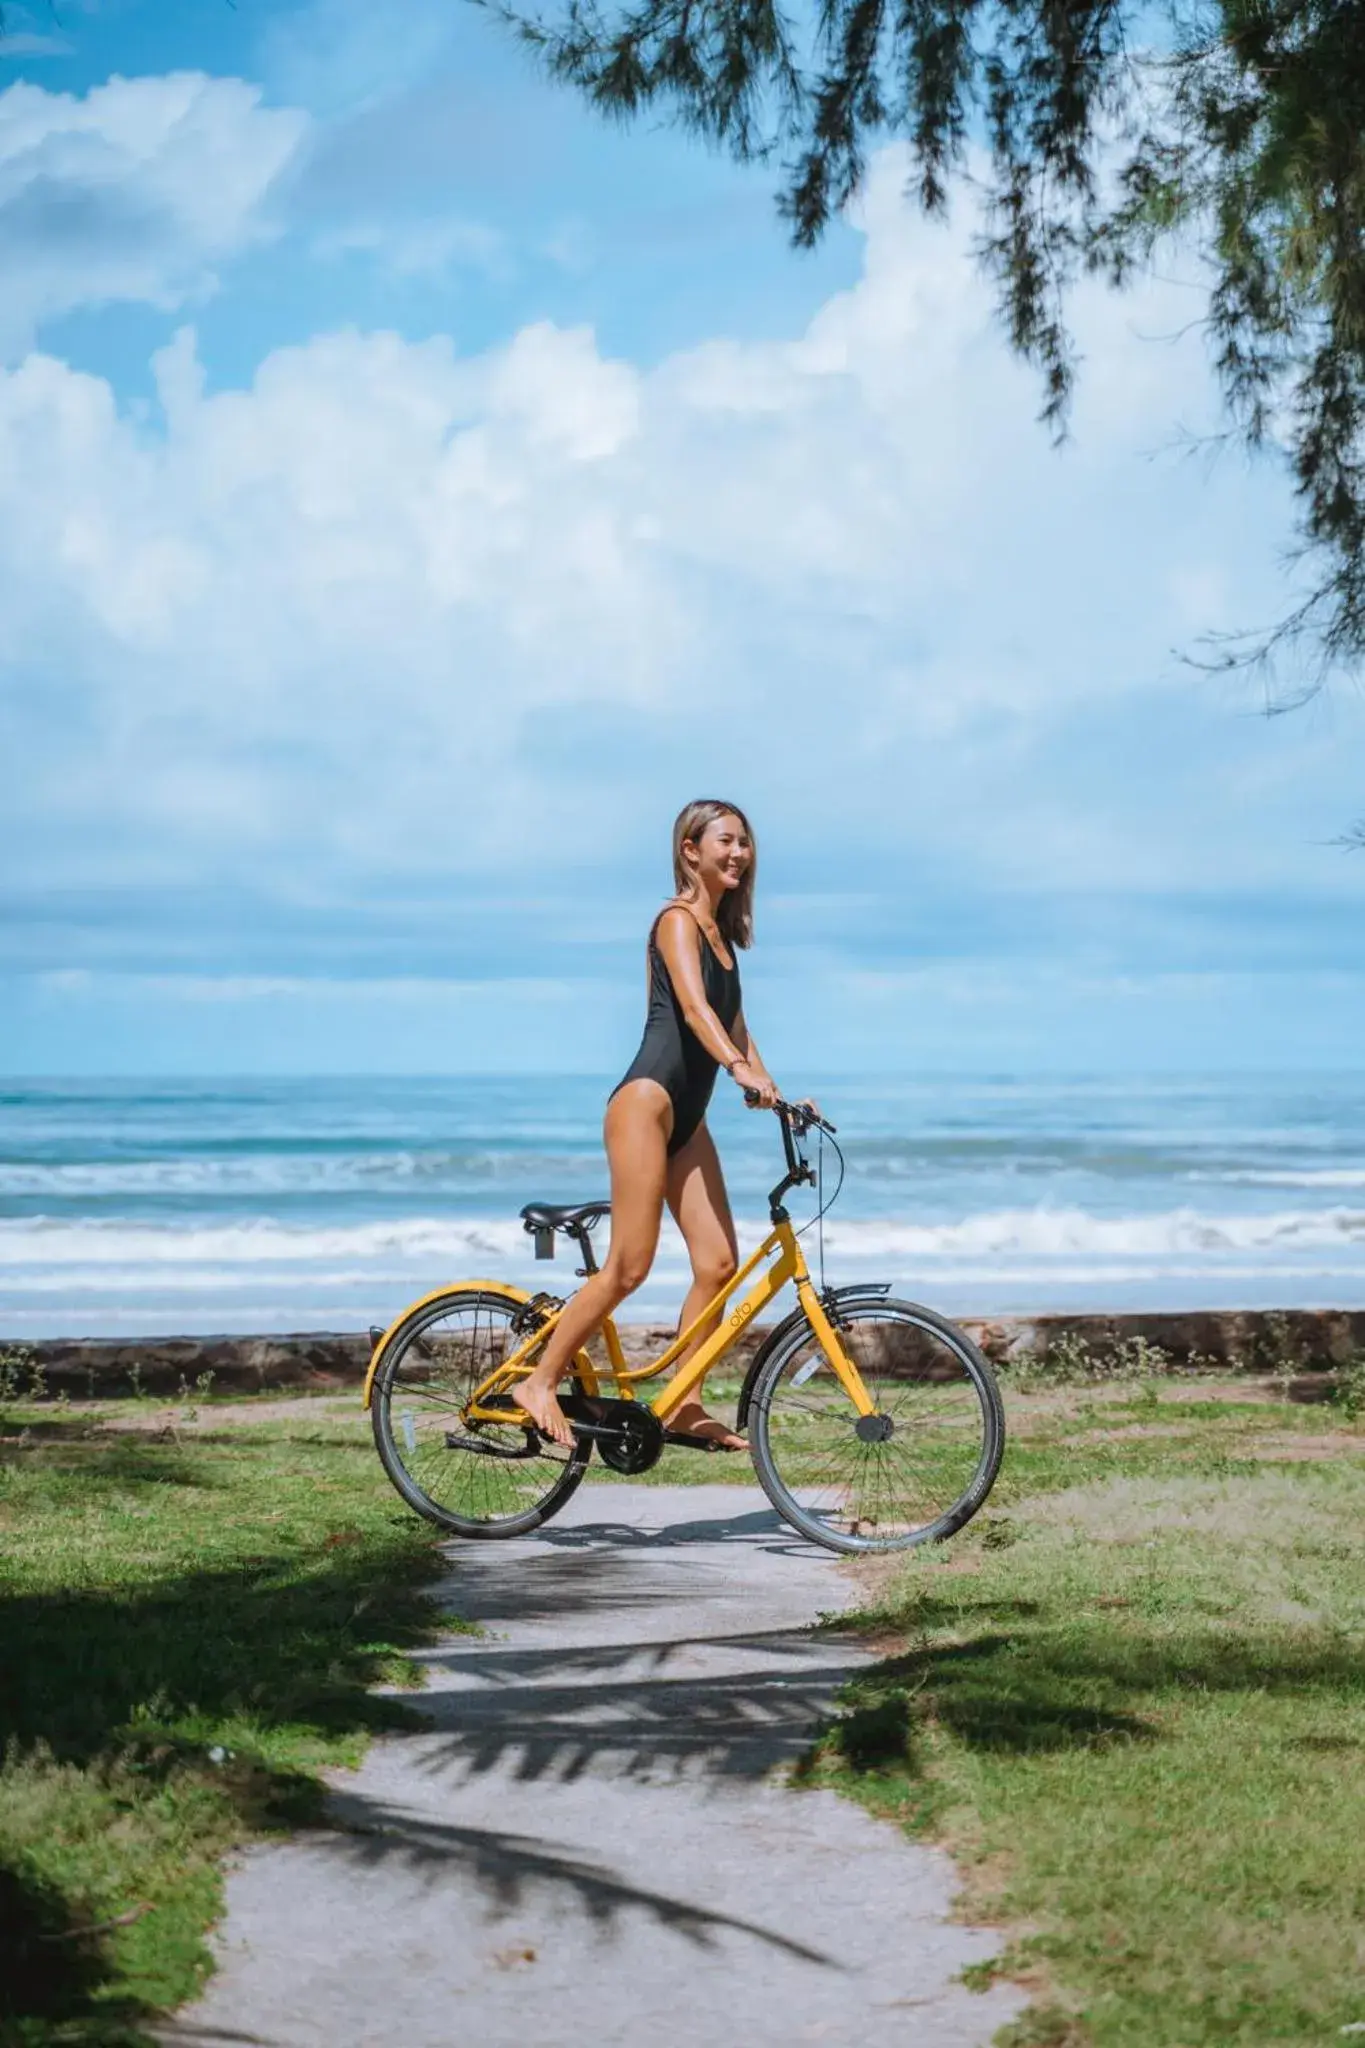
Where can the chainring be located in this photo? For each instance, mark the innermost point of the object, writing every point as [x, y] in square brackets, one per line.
[637, 1437]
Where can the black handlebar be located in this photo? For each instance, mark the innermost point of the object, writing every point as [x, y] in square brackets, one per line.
[797, 1116]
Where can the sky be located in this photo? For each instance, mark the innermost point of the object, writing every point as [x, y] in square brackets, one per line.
[413, 490]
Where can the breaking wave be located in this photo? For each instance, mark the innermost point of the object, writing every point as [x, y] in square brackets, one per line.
[1043, 1233]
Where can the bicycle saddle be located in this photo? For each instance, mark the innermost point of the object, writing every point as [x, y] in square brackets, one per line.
[571, 1216]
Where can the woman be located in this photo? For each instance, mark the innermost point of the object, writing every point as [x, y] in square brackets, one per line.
[658, 1146]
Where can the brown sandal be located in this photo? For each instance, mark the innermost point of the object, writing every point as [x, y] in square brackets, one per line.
[689, 1440]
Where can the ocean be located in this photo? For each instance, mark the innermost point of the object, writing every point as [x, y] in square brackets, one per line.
[163, 1207]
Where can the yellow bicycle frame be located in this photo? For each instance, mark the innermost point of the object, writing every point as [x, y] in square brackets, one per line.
[789, 1265]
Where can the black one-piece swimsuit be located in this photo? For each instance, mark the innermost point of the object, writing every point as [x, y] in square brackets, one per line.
[670, 1052]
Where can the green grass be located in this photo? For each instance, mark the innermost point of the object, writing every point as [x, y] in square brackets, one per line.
[1131, 1698]
[191, 1611]
[189, 1620]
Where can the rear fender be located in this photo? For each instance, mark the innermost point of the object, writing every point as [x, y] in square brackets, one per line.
[474, 1286]
[835, 1298]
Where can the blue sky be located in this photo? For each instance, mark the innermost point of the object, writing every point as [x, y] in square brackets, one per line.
[412, 490]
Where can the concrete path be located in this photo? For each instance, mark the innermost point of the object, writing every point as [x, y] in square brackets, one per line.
[590, 1845]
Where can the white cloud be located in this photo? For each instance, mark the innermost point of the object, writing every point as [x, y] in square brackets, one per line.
[335, 54]
[419, 248]
[31, 32]
[130, 192]
[392, 608]
[313, 988]
[26, 43]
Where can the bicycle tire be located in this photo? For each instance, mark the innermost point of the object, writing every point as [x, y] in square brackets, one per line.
[941, 1398]
[438, 1368]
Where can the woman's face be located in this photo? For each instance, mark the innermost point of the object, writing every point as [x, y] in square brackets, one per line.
[724, 853]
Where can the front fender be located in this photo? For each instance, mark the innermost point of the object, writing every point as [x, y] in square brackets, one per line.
[480, 1286]
[841, 1297]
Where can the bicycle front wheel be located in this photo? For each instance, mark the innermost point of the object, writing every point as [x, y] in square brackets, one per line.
[913, 1473]
[492, 1480]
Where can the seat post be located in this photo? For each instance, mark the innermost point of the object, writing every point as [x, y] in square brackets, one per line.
[583, 1240]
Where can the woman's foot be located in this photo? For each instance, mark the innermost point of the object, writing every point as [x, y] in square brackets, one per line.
[693, 1420]
[541, 1403]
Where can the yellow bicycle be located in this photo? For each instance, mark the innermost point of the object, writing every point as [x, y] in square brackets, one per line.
[874, 1424]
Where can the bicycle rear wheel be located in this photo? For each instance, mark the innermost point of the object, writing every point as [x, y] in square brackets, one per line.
[915, 1472]
[493, 1479]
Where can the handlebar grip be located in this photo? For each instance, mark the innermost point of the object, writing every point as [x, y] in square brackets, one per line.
[788, 1110]
[806, 1119]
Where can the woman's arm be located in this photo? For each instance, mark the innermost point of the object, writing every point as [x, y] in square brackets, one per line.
[754, 1061]
[679, 939]
[744, 1039]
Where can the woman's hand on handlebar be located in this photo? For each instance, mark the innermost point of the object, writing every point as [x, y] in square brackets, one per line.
[760, 1090]
[802, 1116]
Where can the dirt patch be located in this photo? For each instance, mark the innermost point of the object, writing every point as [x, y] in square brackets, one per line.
[1260, 1393]
[1256, 1442]
[1126, 1430]
[1302, 1450]
[1270, 1512]
[198, 1417]
[1065, 1402]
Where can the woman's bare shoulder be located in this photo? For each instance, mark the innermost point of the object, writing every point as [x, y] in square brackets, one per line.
[675, 927]
[676, 917]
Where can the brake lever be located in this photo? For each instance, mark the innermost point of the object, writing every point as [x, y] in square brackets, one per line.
[800, 1119]
[808, 1119]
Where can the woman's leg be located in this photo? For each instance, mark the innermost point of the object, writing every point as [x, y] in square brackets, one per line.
[638, 1121]
[701, 1208]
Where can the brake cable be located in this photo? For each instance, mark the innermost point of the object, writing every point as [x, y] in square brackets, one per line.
[817, 1221]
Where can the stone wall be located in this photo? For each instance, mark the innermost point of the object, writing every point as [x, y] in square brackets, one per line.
[1232, 1340]
[1288, 1341]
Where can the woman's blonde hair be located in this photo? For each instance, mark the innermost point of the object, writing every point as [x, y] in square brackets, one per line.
[735, 917]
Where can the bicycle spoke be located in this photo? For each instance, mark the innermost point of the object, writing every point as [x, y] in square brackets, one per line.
[445, 1467]
[941, 1418]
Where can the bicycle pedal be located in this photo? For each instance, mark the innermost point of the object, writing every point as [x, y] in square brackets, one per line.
[684, 1440]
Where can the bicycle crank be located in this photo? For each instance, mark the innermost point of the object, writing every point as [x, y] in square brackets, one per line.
[629, 1437]
[484, 1447]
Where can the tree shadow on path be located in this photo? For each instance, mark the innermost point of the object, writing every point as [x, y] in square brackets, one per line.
[507, 1868]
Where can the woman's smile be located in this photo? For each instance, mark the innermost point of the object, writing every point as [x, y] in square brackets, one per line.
[726, 854]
